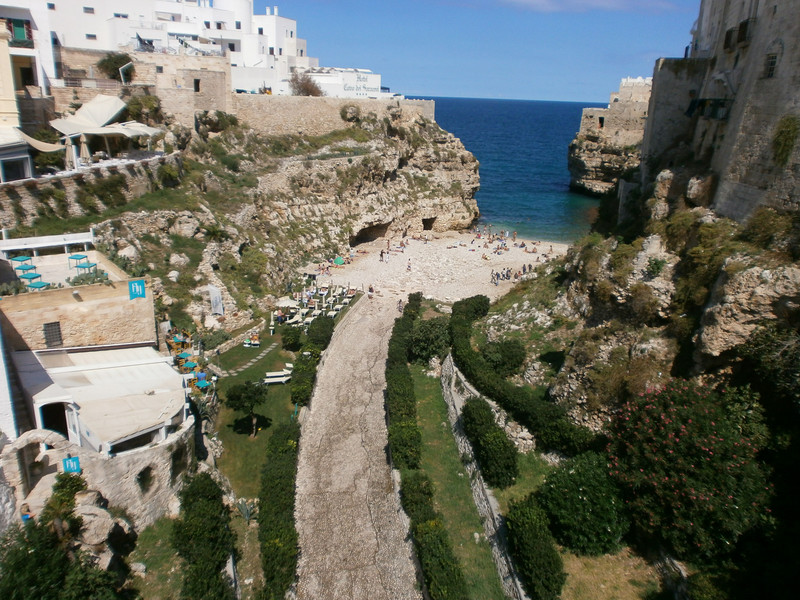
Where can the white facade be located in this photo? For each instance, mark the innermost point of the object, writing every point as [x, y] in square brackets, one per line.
[263, 49]
[348, 83]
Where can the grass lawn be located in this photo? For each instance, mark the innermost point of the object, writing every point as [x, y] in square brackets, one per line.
[239, 355]
[248, 567]
[153, 548]
[622, 576]
[453, 498]
[243, 456]
[532, 471]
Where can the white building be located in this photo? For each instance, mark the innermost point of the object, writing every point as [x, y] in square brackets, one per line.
[263, 50]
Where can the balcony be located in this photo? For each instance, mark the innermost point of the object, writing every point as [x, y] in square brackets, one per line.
[20, 43]
[717, 109]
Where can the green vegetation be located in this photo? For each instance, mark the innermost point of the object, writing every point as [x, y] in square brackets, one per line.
[276, 532]
[111, 63]
[784, 139]
[452, 494]
[203, 538]
[246, 397]
[538, 562]
[586, 509]
[689, 469]
[494, 452]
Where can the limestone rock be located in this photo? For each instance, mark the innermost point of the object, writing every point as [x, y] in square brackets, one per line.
[173, 276]
[130, 252]
[741, 302]
[139, 569]
[98, 524]
[178, 260]
[186, 225]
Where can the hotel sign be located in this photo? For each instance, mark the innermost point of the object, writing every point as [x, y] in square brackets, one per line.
[71, 465]
[136, 289]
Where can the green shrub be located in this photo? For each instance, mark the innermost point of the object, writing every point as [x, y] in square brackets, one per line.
[441, 571]
[416, 496]
[643, 302]
[276, 531]
[290, 338]
[471, 308]
[497, 457]
[145, 109]
[655, 266]
[586, 510]
[534, 551]
[320, 331]
[405, 441]
[168, 175]
[203, 538]
[689, 469]
[476, 418]
[430, 338]
[505, 357]
[111, 63]
[212, 339]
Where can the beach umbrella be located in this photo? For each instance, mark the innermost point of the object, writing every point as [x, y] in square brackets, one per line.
[189, 364]
[85, 154]
[69, 156]
[338, 260]
[286, 302]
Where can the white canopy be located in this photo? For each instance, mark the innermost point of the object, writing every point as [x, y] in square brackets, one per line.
[96, 113]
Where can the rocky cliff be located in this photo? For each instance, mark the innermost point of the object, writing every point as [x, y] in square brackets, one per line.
[255, 208]
[595, 167]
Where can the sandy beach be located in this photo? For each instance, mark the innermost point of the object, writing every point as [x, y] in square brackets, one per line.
[448, 267]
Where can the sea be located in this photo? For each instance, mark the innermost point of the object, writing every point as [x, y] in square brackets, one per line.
[522, 149]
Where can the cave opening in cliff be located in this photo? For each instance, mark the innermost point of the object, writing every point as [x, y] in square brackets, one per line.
[370, 234]
[427, 224]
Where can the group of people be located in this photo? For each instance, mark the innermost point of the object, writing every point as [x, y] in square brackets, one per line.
[507, 275]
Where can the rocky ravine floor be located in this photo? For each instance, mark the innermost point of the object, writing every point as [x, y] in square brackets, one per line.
[353, 533]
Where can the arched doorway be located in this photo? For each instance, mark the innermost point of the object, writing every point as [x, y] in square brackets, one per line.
[54, 417]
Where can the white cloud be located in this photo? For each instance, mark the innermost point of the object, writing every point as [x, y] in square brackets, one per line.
[585, 5]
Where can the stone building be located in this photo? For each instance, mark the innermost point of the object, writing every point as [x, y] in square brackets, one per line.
[607, 144]
[730, 107]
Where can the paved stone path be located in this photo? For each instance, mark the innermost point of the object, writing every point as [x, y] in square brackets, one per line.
[352, 531]
[249, 363]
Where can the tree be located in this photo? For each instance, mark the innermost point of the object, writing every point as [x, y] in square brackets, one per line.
[535, 554]
[246, 397]
[586, 510]
[688, 467]
[302, 84]
[429, 338]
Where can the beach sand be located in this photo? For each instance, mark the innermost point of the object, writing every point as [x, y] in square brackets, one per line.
[449, 267]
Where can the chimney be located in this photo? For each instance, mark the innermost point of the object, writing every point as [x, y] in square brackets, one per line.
[275, 10]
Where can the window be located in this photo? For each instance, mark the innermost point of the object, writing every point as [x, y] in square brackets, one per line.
[280, 51]
[260, 31]
[601, 121]
[91, 36]
[770, 64]
[51, 6]
[291, 34]
[207, 24]
[238, 24]
[88, 10]
[219, 24]
[52, 334]
[196, 85]
[120, 16]
[301, 52]
[159, 69]
[231, 46]
[271, 51]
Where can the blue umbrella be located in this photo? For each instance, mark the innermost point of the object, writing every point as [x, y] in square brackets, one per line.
[184, 355]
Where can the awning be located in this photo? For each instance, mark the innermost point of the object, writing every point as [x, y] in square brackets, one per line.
[96, 113]
[41, 146]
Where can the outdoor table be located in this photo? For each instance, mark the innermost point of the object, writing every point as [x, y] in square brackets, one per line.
[78, 258]
[29, 277]
[87, 266]
[184, 355]
[38, 285]
[25, 268]
[202, 383]
[22, 259]
[189, 364]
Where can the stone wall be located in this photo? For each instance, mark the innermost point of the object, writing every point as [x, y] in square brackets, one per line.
[676, 82]
[456, 390]
[99, 315]
[144, 482]
[22, 201]
[296, 115]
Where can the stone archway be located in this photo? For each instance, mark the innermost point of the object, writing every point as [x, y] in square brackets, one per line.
[370, 234]
[19, 459]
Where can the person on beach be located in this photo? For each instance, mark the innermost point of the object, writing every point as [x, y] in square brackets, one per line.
[370, 292]
[381, 256]
[408, 266]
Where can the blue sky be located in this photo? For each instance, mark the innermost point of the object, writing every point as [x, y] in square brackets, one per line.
[571, 50]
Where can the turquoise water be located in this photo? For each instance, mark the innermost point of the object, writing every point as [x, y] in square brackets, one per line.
[522, 149]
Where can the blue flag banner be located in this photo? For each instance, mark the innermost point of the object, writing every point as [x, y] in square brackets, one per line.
[136, 289]
[72, 465]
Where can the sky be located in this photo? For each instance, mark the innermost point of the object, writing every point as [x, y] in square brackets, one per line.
[568, 50]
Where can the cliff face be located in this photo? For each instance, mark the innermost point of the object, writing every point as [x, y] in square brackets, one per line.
[607, 145]
[258, 208]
